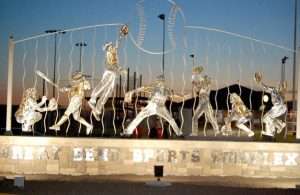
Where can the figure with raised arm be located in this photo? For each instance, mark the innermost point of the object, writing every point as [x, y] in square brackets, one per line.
[156, 105]
[29, 110]
[272, 123]
[201, 89]
[106, 86]
[76, 91]
[240, 114]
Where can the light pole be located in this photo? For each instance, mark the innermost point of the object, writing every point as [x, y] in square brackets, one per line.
[294, 57]
[283, 61]
[193, 57]
[80, 45]
[55, 32]
[162, 17]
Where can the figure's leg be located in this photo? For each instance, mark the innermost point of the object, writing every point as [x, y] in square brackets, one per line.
[62, 120]
[106, 78]
[197, 115]
[26, 126]
[81, 120]
[146, 112]
[104, 97]
[271, 122]
[276, 112]
[269, 125]
[36, 118]
[279, 125]
[97, 110]
[164, 113]
[209, 114]
[74, 105]
[240, 123]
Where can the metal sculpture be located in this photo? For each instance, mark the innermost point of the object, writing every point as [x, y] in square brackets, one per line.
[240, 114]
[156, 105]
[272, 123]
[105, 87]
[201, 89]
[76, 91]
[29, 110]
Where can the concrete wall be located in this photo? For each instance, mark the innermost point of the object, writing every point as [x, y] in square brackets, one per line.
[89, 156]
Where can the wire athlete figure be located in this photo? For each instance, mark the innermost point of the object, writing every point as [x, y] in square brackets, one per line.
[105, 87]
[156, 105]
[29, 110]
[272, 123]
[240, 114]
[76, 93]
[201, 88]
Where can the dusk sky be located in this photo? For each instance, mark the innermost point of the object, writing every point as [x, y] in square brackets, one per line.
[225, 58]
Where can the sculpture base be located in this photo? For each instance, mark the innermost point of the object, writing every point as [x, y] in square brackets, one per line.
[185, 157]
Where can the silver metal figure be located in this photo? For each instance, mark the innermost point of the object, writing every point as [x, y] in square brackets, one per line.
[240, 114]
[272, 123]
[156, 106]
[105, 87]
[29, 110]
[201, 88]
[76, 93]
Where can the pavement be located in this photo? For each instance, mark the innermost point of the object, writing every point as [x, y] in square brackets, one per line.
[131, 184]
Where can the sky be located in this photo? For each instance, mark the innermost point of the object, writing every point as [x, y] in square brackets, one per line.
[227, 59]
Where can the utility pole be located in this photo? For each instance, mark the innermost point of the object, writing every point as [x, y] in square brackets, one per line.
[193, 57]
[80, 45]
[55, 32]
[294, 58]
[283, 61]
[162, 17]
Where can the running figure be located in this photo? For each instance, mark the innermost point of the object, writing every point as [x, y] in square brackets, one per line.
[105, 87]
[29, 110]
[278, 109]
[76, 93]
[240, 114]
[201, 88]
[156, 106]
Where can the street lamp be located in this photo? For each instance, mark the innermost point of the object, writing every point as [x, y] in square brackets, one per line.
[294, 57]
[193, 57]
[162, 17]
[55, 32]
[80, 45]
[283, 60]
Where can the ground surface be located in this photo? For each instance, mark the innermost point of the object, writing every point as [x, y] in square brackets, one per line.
[136, 185]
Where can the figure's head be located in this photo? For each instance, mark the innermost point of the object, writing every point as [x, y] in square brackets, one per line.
[234, 98]
[31, 93]
[78, 77]
[107, 46]
[197, 70]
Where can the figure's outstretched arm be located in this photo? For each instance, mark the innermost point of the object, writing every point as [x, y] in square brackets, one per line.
[266, 87]
[258, 79]
[179, 97]
[123, 33]
[65, 89]
[146, 89]
[51, 106]
[42, 102]
[282, 86]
